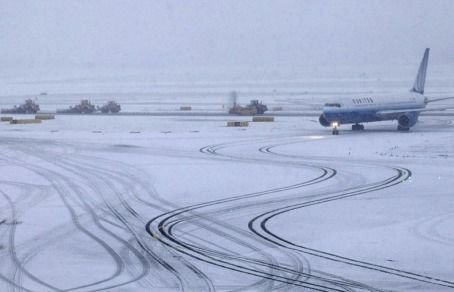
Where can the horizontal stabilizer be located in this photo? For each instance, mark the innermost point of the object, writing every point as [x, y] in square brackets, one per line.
[427, 100]
[404, 111]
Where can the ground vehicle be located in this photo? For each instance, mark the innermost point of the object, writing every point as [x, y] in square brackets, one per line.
[110, 107]
[29, 107]
[84, 107]
[253, 108]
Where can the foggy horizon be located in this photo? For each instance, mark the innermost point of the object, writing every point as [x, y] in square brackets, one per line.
[223, 35]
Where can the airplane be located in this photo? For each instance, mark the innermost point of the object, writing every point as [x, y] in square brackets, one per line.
[405, 108]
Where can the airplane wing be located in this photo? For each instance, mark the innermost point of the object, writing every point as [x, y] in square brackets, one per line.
[403, 111]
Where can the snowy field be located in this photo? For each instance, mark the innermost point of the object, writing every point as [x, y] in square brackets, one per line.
[164, 196]
[93, 203]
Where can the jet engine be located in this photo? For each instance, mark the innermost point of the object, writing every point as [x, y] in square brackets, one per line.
[323, 121]
[406, 121]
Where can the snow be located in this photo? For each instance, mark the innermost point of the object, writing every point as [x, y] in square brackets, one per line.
[77, 193]
[159, 199]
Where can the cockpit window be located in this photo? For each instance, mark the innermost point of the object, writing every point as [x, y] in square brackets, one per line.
[332, 105]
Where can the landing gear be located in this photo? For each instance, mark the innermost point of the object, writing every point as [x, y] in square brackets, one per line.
[335, 126]
[403, 129]
[357, 127]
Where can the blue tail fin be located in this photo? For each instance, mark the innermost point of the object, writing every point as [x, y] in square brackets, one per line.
[420, 80]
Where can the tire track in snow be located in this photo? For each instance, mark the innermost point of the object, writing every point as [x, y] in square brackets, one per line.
[111, 177]
[258, 225]
[95, 217]
[161, 226]
[55, 176]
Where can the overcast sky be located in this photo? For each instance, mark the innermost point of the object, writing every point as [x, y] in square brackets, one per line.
[211, 34]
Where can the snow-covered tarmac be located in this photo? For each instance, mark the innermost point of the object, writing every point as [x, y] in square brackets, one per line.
[91, 203]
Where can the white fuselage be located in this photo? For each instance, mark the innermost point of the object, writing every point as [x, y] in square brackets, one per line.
[368, 108]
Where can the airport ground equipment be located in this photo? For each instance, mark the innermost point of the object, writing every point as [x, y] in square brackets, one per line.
[237, 124]
[253, 108]
[25, 121]
[84, 107]
[44, 116]
[29, 107]
[263, 119]
[110, 107]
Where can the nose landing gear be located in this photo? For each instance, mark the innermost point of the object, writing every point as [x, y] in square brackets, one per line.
[335, 126]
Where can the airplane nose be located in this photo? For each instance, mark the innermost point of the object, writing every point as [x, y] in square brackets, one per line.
[323, 121]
